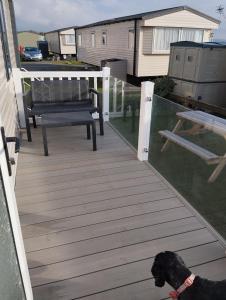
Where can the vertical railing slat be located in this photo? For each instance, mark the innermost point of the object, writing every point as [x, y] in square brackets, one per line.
[19, 96]
[115, 94]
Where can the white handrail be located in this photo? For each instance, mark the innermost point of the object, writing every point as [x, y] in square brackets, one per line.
[61, 74]
[25, 70]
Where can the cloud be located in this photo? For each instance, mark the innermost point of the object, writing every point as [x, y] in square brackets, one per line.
[45, 15]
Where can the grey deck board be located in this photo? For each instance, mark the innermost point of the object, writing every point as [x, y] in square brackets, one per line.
[88, 189]
[93, 222]
[47, 187]
[113, 241]
[91, 203]
[98, 217]
[109, 228]
[79, 209]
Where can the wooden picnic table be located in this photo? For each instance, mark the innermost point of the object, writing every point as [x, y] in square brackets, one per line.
[201, 121]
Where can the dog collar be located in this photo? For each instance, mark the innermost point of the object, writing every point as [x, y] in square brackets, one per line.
[188, 282]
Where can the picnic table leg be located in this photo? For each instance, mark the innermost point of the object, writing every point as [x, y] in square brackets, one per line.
[94, 136]
[88, 132]
[45, 144]
[176, 128]
[217, 170]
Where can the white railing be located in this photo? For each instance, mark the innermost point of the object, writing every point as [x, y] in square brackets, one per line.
[20, 75]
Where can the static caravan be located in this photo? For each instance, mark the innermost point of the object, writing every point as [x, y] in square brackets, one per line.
[199, 71]
[15, 280]
[29, 38]
[62, 41]
[143, 40]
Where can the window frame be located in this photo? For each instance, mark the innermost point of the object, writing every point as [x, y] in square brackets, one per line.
[4, 41]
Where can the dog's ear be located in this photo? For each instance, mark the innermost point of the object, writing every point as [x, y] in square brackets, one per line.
[157, 270]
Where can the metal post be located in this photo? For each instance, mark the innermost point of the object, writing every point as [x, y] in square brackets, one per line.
[19, 96]
[115, 95]
[147, 91]
[105, 92]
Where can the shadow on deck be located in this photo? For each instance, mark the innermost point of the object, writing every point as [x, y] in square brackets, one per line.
[93, 221]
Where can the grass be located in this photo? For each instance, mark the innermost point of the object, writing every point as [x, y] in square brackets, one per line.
[68, 62]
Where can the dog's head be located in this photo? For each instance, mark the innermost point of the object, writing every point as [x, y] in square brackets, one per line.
[164, 266]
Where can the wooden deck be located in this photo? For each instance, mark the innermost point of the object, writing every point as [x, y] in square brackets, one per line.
[93, 221]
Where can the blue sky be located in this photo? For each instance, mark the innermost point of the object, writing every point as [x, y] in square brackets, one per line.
[45, 15]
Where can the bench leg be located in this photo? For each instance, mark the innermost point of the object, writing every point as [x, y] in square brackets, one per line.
[34, 122]
[94, 136]
[101, 121]
[28, 128]
[176, 128]
[45, 144]
[88, 132]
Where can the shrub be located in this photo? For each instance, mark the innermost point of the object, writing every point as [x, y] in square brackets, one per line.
[164, 86]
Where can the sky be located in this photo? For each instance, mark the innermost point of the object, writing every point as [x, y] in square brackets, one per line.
[46, 15]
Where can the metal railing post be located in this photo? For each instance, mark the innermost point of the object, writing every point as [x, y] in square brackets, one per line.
[115, 95]
[147, 91]
[105, 92]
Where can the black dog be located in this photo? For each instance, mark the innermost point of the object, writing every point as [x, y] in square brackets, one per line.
[169, 267]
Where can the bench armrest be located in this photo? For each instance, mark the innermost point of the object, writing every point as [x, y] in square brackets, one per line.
[94, 91]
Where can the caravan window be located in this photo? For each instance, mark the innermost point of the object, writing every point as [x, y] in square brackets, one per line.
[104, 38]
[69, 39]
[93, 42]
[4, 40]
[194, 35]
[164, 36]
[131, 39]
[79, 40]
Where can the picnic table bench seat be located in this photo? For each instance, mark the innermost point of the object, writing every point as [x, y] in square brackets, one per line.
[199, 151]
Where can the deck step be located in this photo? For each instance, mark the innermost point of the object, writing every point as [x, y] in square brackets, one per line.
[201, 152]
